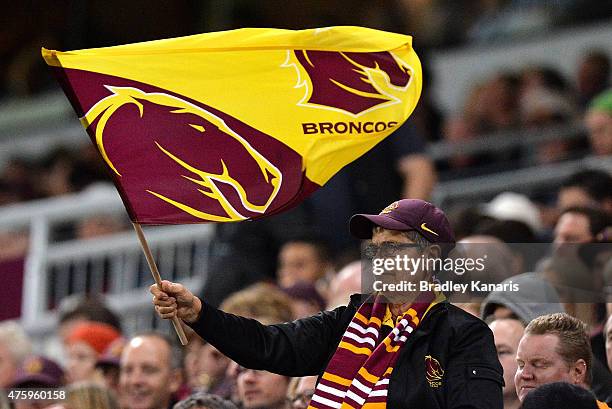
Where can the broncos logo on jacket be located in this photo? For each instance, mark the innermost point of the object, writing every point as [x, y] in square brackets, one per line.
[433, 371]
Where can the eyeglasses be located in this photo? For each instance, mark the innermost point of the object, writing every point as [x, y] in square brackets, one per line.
[387, 249]
[301, 400]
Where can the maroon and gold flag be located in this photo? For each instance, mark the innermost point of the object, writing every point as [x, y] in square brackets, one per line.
[236, 125]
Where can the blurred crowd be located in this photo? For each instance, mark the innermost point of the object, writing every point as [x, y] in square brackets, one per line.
[100, 366]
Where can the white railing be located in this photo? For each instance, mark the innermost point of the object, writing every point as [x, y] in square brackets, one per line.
[111, 264]
[524, 180]
[527, 140]
[457, 70]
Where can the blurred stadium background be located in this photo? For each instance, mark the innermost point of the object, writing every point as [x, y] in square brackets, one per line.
[507, 83]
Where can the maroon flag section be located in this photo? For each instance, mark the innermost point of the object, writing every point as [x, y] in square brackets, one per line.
[175, 160]
[340, 79]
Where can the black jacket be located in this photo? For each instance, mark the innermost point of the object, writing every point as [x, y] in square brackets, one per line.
[461, 344]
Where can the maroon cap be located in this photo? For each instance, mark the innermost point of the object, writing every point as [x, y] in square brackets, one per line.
[39, 371]
[406, 215]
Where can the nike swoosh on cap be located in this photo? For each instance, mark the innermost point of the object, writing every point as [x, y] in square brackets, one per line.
[428, 229]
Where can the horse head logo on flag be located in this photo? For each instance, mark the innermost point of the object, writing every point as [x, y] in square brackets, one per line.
[207, 157]
[351, 82]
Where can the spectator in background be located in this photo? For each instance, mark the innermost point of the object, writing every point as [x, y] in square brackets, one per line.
[262, 301]
[535, 297]
[586, 188]
[209, 369]
[85, 344]
[458, 130]
[544, 102]
[55, 173]
[79, 308]
[466, 220]
[554, 348]
[543, 108]
[301, 391]
[108, 365]
[242, 254]
[262, 389]
[304, 260]
[580, 225]
[15, 346]
[84, 395]
[598, 120]
[507, 333]
[38, 372]
[344, 284]
[150, 372]
[257, 389]
[259, 300]
[495, 105]
[305, 300]
[576, 285]
[593, 76]
[17, 179]
[560, 395]
[75, 309]
[202, 400]
[501, 263]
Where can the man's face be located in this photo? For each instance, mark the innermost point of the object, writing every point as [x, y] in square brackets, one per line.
[599, 125]
[574, 196]
[391, 245]
[608, 336]
[507, 333]
[573, 228]
[299, 261]
[211, 363]
[540, 363]
[303, 392]
[8, 367]
[147, 379]
[262, 390]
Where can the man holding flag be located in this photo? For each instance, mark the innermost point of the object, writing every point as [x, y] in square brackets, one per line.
[414, 351]
[238, 125]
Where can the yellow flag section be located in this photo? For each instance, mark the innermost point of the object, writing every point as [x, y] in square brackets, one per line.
[330, 94]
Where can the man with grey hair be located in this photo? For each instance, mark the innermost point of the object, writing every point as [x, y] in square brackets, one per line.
[150, 372]
[15, 346]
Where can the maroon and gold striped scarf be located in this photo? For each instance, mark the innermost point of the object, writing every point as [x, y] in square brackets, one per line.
[358, 374]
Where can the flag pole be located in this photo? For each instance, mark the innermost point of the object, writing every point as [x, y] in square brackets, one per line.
[176, 322]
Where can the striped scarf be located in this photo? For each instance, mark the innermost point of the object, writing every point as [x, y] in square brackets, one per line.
[358, 374]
